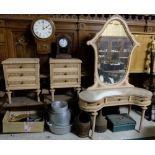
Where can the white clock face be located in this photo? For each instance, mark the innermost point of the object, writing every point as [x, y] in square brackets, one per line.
[42, 28]
[63, 42]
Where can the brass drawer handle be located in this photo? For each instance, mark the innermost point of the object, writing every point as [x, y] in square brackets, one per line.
[20, 66]
[65, 81]
[21, 74]
[21, 82]
[65, 73]
[65, 66]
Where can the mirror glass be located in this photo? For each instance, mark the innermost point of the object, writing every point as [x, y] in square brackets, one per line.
[114, 48]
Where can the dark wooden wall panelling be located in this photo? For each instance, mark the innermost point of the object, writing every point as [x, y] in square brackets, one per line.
[16, 39]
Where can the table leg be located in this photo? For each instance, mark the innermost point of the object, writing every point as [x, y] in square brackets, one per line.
[129, 109]
[94, 114]
[142, 117]
[38, 93]
[9, 96]
[78, 91]
[52, 93]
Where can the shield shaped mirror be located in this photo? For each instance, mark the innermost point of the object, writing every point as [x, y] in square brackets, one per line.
[113, 47]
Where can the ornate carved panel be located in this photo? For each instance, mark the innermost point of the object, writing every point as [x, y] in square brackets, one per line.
[3, 52]
[23, 44]
[2, 35]
[3, 44]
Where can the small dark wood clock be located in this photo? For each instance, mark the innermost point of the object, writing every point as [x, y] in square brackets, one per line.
[63, 42]
[43, 30]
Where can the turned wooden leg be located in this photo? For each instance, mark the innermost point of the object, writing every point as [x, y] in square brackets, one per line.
[94, 114]
[78, 91]
[52, 93]
[129, 109]
[38, 93]
[142, 117]
[9, 96]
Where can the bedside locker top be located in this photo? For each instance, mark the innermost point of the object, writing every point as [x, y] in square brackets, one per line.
[72, 60]
[20, 60]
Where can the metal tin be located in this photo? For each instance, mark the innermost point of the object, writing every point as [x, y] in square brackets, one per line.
[59, 106]
[82, 125]
[58, 118]
[101, 123]
[59, 130]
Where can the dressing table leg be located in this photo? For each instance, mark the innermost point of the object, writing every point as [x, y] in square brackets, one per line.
[129, 109]
[94, 114]
[142, 117]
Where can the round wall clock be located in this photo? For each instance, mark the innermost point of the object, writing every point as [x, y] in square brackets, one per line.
[43, 30]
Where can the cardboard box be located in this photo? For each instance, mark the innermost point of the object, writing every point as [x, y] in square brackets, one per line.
[21, 126]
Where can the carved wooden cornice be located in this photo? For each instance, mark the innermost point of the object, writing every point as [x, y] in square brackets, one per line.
[102, 18]
[55, 17]
[93, 18]
[151, 20]
[128, 17]
[85, 19]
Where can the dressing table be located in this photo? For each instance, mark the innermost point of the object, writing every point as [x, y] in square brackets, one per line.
[113, 47]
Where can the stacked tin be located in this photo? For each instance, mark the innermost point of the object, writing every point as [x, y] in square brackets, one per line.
[59, 118]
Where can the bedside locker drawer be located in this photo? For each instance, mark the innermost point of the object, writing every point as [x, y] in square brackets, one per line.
[21, 78]
[22, 83]
[65, 76]
[65, 70]
[20, 74]
[20, 70]
[15, 66]
[65, 65]
[64, 82]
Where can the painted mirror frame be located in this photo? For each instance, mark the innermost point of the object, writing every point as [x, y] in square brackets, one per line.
[100, 40]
